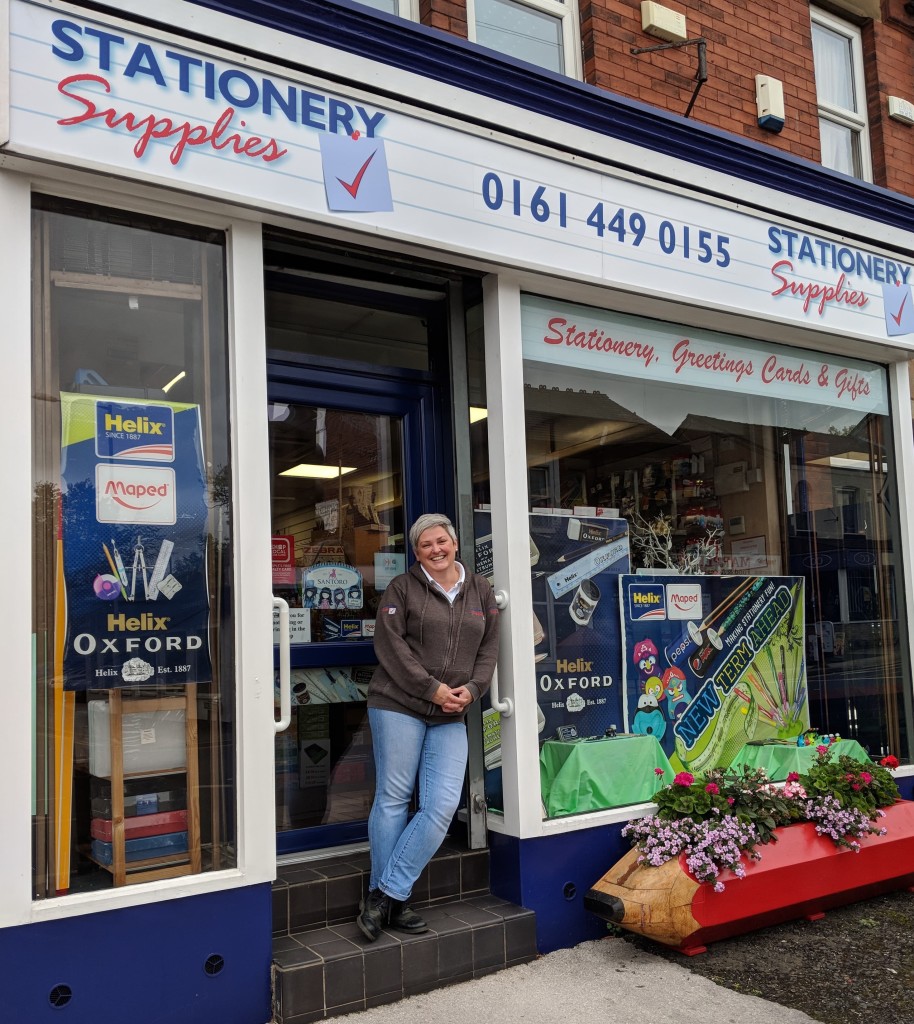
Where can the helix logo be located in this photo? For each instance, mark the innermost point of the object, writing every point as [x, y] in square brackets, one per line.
[141, 433]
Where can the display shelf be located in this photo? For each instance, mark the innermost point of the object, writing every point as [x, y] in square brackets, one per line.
[125, 869]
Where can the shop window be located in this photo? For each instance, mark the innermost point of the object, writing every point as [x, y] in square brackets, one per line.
[540, 32]
[132, 564]
[713, 551]
[841, 95]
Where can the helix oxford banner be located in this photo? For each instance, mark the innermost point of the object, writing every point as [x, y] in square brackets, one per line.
[134, 533]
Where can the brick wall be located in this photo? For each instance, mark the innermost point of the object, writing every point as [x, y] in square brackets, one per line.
[768, 37]
[448, 15]
[888, 49]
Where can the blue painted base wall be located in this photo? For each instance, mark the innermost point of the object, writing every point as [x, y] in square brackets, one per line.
[145, 965]
[551, 875]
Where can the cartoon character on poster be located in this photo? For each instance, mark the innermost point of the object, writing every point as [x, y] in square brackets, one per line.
[730, 663]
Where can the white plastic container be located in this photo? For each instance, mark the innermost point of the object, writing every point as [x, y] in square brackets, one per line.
[153, 741]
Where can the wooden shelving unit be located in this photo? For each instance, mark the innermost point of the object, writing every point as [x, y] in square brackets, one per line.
[167, 865]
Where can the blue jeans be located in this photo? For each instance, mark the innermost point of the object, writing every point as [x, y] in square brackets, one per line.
[406, 748]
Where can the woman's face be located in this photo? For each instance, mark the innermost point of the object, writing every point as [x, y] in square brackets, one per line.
[436, 550]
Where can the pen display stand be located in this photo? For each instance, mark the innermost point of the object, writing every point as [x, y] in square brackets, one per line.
[155, 831]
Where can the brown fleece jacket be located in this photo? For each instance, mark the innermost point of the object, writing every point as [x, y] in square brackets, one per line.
[422, 640]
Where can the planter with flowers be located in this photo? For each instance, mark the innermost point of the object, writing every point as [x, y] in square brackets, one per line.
[696, 873]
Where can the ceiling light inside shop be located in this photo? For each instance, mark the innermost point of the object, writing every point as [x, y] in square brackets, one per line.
[313, 472]
[174, 380]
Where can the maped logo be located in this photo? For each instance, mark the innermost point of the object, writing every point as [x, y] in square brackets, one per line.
[142, 433]
[135, 494]
[683, 600]
[646, 601]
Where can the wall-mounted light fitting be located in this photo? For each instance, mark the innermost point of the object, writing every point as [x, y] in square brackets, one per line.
[769, 99]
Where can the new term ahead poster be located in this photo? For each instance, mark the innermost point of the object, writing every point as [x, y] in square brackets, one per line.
[714, 662]
[134, 532]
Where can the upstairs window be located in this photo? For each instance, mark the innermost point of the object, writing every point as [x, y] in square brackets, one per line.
[841, 96]
[541, 32]
[402, 8]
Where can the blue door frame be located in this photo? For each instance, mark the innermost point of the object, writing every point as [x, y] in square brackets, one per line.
[427, 474]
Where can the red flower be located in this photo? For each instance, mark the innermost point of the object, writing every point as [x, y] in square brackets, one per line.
[712, 787]
[821, 749]
[658, 771]
[793, 777]
[684, 779]
[731, 800]
[856, 785]
[889, 762]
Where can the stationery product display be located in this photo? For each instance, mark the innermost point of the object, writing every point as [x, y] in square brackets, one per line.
[144, 785]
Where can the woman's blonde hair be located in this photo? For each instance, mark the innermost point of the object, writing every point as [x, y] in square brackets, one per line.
[426, 522]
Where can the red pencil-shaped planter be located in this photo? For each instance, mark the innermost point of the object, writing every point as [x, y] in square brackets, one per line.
[801, 875]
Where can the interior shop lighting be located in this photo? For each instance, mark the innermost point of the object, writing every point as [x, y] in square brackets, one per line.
[174, 380]
[313, 472]
[477, 413]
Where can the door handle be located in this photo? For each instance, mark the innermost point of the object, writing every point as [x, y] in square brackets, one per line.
[285, 675]
[503, 705]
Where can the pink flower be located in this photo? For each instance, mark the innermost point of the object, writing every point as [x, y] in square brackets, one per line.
[793, 777]
[821, 749]
[684, 779]
[866, 778]
[731, 800]
[856, 785]
[712, 787]
[658, 771]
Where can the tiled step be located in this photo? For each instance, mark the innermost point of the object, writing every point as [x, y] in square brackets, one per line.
[328, 891]
[331, 970]
[324, 967]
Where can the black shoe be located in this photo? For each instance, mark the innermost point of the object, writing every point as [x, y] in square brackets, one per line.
[373, 913]
[405, 919]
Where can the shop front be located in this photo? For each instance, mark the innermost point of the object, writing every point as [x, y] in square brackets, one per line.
[275, 313]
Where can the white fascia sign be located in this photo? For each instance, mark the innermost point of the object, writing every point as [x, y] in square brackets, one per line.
[94, 94]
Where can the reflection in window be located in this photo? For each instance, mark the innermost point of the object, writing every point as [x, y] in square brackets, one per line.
[733, 483]
[132, 545]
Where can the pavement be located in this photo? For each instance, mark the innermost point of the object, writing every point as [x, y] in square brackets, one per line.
[604, 980]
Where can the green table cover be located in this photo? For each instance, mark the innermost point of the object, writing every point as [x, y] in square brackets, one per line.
[591, 775]
[778, 759]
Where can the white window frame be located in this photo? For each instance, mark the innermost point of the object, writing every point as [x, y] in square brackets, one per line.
[408, 9]
[856, 121]
[567, 14]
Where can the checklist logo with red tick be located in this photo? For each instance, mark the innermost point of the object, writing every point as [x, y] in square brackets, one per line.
[899, 309]
[356, 179]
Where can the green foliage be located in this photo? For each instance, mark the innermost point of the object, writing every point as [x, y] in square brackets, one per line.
[854, 785]
[747, 794]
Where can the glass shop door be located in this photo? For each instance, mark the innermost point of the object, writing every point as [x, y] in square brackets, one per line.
[349, 471]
